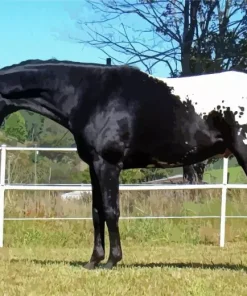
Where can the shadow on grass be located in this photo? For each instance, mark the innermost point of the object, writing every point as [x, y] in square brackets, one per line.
[194, 265]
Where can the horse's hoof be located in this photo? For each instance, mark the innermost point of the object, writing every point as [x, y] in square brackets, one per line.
[109, 265]
[90, 266]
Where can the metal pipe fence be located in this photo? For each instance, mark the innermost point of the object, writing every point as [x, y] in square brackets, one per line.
[87, 187]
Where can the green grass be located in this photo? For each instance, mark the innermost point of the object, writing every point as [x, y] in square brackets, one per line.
[73, 234]
[173, 269]
[215, 176]
[160, 257]
[159, 203]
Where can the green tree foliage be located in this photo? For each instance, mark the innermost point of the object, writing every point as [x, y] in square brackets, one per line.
[34, 125]
[131, 176]
[15, 127]
[85, 176]
[54, 135]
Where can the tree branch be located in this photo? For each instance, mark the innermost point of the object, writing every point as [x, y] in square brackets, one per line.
[171, 29]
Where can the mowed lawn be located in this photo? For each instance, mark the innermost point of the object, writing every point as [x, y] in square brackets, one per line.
[172, 269]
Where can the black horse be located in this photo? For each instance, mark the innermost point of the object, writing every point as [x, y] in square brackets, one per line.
[121, 118]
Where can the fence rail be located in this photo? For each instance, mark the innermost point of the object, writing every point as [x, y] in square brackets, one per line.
[87, 187]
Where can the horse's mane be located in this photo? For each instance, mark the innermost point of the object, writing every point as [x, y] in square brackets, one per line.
[55, 62]
[50, 61]
[133, 69]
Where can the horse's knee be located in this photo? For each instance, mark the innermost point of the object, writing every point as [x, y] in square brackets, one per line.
[112, 214]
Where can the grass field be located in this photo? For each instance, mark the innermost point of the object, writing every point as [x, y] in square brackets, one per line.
[173, 269]
[160, 256]
[236, 175]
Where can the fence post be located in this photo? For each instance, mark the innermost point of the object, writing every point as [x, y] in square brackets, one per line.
[108, 61]
[223, 203]
[2, 188]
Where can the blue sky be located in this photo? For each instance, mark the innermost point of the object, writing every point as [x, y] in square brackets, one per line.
[33, 29]
[39, 29]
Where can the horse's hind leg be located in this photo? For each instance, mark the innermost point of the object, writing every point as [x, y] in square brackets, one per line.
[189, 174]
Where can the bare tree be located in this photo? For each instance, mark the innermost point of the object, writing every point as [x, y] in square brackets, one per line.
[188, 36]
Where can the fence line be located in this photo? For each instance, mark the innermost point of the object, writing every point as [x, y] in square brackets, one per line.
[87, 187]
[123, 218]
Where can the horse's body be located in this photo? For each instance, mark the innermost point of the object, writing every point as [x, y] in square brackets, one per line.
[207, 92]
[122, 118]
[223, 87]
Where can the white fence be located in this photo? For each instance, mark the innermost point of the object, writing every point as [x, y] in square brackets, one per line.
[61, 187]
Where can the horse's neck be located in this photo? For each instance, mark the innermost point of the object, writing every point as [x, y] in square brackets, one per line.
[37, 105]
[29, 90]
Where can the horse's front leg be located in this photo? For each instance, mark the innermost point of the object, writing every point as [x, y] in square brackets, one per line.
[98, 222]
[108, 178]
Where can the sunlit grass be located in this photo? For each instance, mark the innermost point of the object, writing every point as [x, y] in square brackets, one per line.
[173, 269]
[236, 175]
[160, 256]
